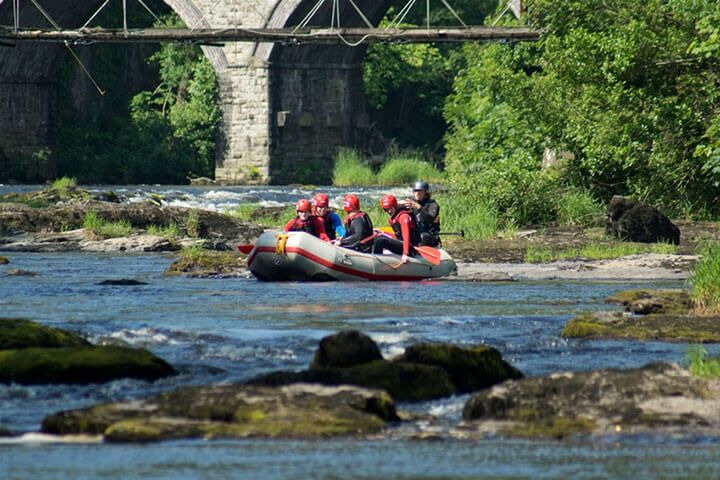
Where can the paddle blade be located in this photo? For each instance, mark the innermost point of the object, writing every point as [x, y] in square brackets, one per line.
[246, 247]
[430, 254]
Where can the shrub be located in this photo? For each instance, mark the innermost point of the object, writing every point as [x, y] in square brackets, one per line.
[104, 228]
[63, 183]
[579, 208]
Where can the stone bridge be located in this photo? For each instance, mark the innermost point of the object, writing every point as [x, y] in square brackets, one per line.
[286, 108]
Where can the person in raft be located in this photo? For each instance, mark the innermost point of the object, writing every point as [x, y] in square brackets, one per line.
[403, 225]
[427, 214]
[306, 222]
[331, 220]
[358, 226]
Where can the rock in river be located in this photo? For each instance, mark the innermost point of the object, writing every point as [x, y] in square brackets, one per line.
[233, 411]
[658, 398]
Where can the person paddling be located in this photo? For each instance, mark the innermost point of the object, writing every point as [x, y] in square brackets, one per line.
[306, 222]
[403, 226]
[427, 214]
[331, 220]
[358, 226]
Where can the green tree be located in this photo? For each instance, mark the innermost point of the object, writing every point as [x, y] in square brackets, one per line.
[612, 83]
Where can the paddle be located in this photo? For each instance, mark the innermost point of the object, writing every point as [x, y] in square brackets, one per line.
[430, 254]
[246, 247]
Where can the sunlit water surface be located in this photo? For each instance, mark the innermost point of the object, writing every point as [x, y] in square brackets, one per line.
[221, 330]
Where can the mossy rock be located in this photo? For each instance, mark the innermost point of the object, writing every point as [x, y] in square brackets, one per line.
[4, 261]
[553, 427]
[345, 349]
[659, 327]
[234, 411]
[647, 301]
[80, 365]
[471, 368]
[410, 382]
[19, 333]
[207, 263]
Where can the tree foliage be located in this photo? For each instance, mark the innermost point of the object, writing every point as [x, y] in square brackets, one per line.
[163, 134]
[628, 89]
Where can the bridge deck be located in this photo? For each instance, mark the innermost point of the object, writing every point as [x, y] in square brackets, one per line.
[283, 35]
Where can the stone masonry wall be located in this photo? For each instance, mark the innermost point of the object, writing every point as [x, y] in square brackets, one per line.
[286, 109]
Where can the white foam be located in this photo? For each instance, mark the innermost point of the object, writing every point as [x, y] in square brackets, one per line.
[38, 438]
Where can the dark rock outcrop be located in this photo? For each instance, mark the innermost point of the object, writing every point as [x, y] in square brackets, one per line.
[656, 398]
[424, 372]
[234, 411]
[80, 365]
[31, 353]
[123, 282]
[470, 369]
[408, 382]
[635, 221]
[345, 349]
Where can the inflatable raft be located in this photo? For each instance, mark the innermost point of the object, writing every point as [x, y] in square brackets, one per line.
[300, 256]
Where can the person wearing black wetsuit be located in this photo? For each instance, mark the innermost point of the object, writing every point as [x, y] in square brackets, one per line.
[427, 214]
[358, 226]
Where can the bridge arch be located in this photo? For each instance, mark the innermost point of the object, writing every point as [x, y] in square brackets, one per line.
[286, 108]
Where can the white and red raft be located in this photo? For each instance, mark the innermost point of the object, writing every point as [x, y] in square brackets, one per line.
[281, 256]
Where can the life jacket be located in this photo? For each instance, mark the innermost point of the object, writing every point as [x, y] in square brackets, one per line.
[329, 226]
[395, 223]
[433, 227]
[307, 226]
[367, 223]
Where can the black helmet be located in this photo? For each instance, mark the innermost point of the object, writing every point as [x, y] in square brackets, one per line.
[421, 185]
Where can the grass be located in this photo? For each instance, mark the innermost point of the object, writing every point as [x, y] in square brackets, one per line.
[406, 169]
[701, 365]
[706, 281]
[169, 231]
[63, 183]
[401, 169]
[478, 220]
[595, 251]
[579, 208]
[105, 229]
[248, 212]
[352, 170]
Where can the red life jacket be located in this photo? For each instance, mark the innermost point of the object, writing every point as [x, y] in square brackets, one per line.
[395, 223]
[307, 226]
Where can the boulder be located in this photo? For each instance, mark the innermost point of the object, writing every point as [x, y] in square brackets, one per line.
[648, 301]
[408, 382]
[345, 349]
[233, 411]
[661, 398]
[4, 261]
[635, 221]
[655, 327]
[80, 365]
[470, 368]
[19, 333]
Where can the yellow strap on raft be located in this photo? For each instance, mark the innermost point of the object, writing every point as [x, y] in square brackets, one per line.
[280, 241]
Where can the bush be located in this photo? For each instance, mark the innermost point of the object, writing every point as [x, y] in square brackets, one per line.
[701, 365]
[105, 229]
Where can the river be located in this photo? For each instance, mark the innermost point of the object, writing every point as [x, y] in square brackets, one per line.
[224, 330]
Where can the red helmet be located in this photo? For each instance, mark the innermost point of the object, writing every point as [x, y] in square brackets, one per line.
[388, 201]
[351, 203]
[303, 205]
[321, 200]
